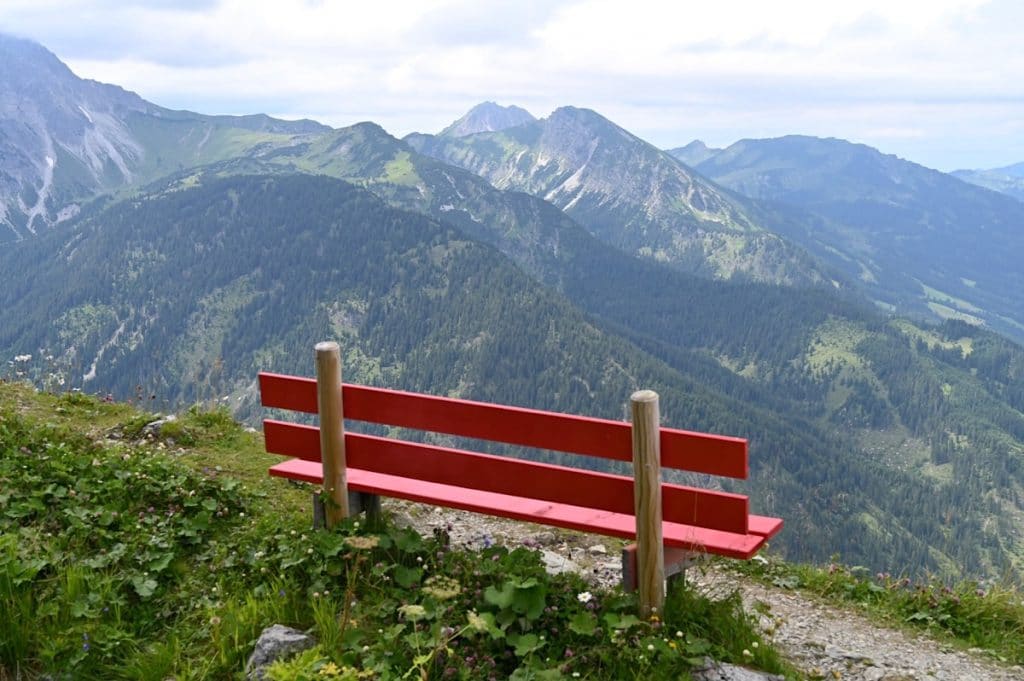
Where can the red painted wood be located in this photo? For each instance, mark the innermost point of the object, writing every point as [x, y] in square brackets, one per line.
[505, 475]
[734, 545]
[680, 449]
[280, 391]
[765, 526]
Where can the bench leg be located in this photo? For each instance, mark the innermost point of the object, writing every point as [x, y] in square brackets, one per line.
[319, 512]
[676, 562]
[357, 502]
[369, 504]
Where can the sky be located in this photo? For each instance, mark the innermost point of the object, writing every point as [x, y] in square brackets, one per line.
[939, 82]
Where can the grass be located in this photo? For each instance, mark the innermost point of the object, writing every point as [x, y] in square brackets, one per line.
[124, 556]
[932, 339]
[966, 614]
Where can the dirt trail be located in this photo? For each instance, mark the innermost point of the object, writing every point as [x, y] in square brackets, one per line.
[825, 641]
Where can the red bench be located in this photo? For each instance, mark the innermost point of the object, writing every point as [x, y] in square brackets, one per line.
[695, 520]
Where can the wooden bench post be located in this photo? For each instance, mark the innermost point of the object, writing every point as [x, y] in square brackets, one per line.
[650, 555]
[332, 430]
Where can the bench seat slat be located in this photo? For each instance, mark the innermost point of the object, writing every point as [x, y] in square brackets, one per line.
[765, 526]
[505, 475]
[678, 535]
[680, 449]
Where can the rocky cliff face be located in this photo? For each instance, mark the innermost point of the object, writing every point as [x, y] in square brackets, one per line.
[61, 137]
[64, 140]
[626, 192]
[488, 117]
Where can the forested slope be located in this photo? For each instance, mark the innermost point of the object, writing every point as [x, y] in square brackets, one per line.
[874, 438]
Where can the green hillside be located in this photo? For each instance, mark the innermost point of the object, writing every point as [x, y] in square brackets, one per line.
[919, 241]
[878, 440]
[124, 556]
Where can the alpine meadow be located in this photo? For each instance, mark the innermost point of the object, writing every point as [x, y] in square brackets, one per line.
[857, 317]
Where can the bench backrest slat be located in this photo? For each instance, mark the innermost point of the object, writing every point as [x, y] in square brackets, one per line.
[680, 449]
[505, 475]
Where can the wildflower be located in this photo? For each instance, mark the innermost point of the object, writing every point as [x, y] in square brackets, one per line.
[412, 612]
[747, 653]
[584, 597]
[754, 644]
[329, 669]
[214, 621]
[650, 646]
[441, 587]
[362, 543]
[476, 621]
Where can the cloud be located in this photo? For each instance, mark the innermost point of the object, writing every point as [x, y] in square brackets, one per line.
[668, 71]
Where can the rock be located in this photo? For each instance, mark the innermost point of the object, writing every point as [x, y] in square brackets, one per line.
[155, 428]
[545, 538]
[556, 564]
[598, 548]
[723, 671]
[275, 642]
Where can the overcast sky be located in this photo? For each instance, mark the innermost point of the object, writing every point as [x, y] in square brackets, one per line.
[939, 82]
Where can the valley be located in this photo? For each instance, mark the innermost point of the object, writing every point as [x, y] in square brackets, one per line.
[556, 263]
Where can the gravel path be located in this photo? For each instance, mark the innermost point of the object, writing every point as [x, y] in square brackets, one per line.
[836, 643]
[825, 641]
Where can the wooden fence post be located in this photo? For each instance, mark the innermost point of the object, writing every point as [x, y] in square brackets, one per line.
[332, 430]
[650, 554]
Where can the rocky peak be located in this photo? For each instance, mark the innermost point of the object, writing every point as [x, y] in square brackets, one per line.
[693, 153]
[488, 117]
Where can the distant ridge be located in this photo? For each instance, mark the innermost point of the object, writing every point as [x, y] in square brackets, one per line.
[920, 240]
[693, 153]
[488, 117]
[1008, 180]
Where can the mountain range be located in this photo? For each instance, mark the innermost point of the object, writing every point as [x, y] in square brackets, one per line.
[557, 263]
[919, 241]
[1008, 180]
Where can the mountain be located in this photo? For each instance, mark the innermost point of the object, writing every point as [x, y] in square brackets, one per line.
[488, 117]
[1008, 180]
[921, 242]
[892, 444]
[693, 153]
[64, 140]
[628, 193]
[896, 444]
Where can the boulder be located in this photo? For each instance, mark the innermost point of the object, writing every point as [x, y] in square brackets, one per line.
[723, 671]
[274, 643]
